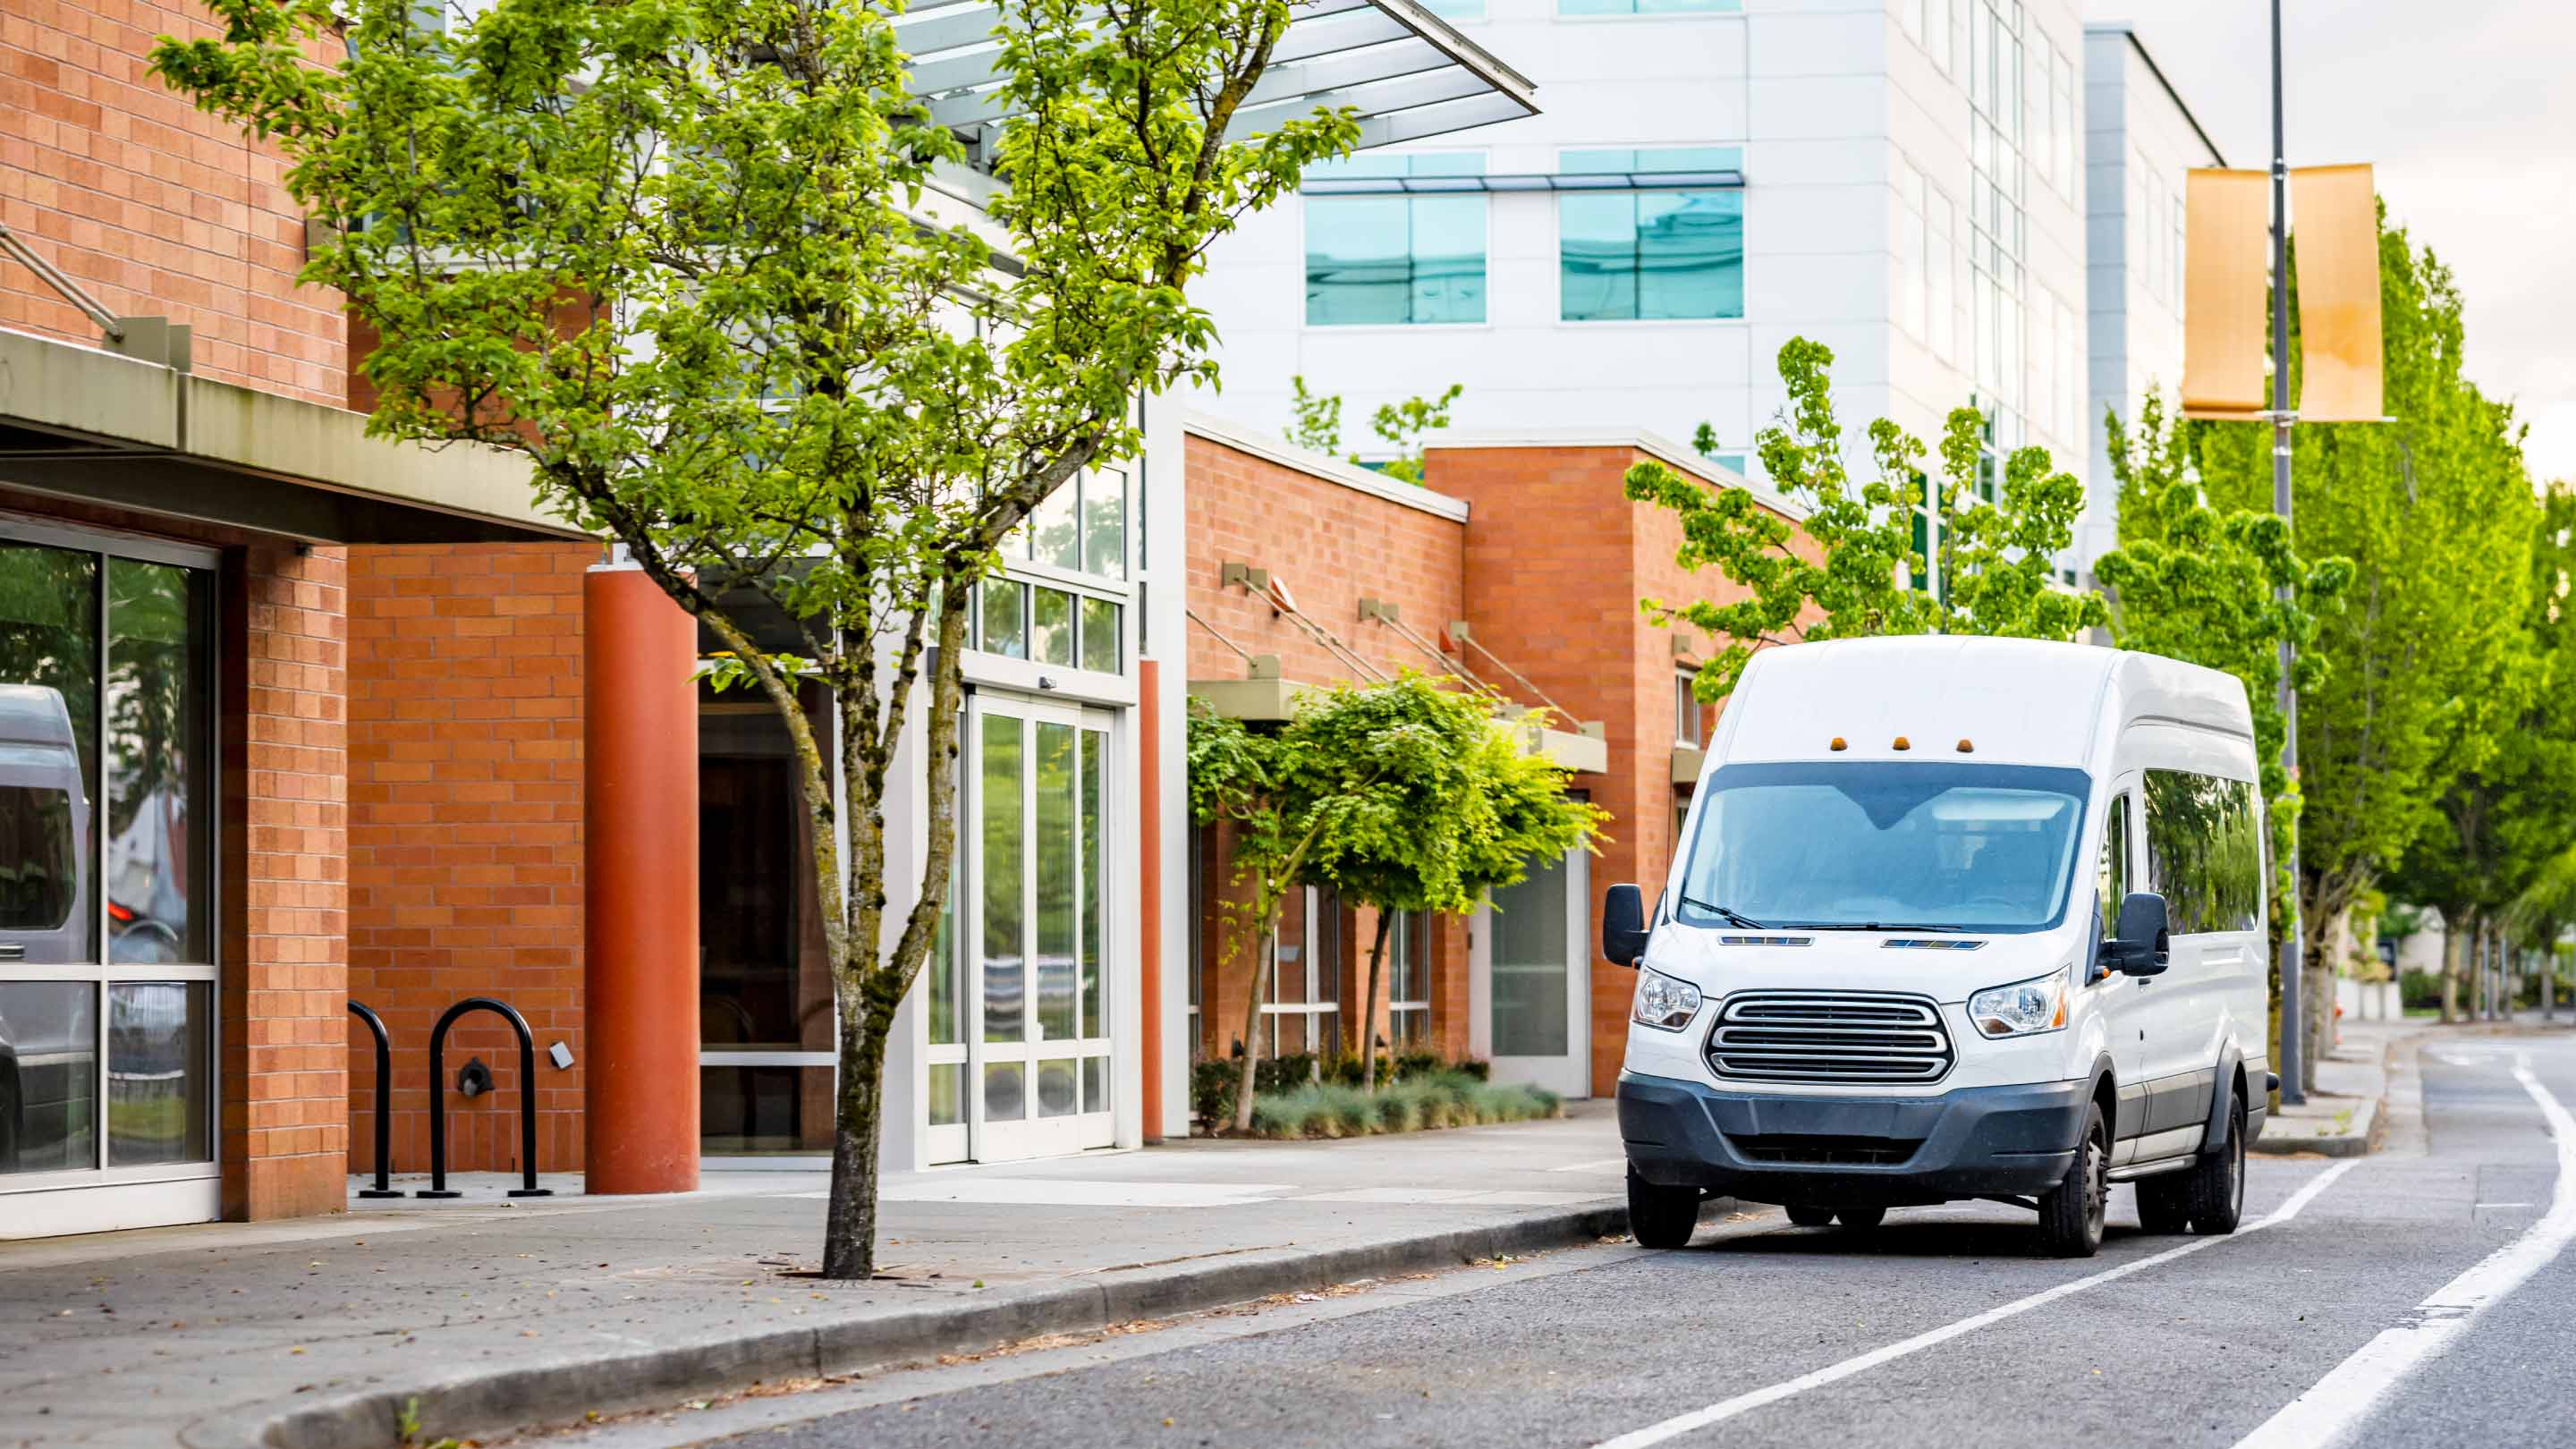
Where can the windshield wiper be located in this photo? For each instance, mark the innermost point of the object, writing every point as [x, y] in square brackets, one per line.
[1732, 918]
[1875, 926]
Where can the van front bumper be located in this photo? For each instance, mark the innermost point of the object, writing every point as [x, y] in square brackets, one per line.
[1852, 1151]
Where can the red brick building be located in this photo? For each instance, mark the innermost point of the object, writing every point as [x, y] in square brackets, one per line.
[1520, 561]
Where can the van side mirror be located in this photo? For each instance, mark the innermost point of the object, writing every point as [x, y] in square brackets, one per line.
[1623, 924]
[2139, 946]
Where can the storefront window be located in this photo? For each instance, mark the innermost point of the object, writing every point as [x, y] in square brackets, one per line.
[106, 861]
[1651, 254]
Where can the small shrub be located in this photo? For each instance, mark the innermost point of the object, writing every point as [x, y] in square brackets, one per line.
[1282, 1074]
[2420, 989]
[1212, 1087]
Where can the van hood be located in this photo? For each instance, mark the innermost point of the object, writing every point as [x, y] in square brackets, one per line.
[1947, 968]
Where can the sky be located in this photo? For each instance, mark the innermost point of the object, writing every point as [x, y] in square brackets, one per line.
[2466, 111]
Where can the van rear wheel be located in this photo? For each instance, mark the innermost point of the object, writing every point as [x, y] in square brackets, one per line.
[2216, 1183]
[1661, 1217]
[1808, 1215]
[2071, 1213]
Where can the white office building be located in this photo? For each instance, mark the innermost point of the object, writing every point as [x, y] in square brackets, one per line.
[1912, 183]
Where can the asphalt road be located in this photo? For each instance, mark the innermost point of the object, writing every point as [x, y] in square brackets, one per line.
[1941, 1328]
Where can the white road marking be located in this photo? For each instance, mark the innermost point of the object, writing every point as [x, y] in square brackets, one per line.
[1834, 1373]
[2339, 1402]
[1604, 1164]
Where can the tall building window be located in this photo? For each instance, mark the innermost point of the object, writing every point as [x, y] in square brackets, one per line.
[1926, 229]
[1996, 220]
[2065, 124]
[1686, 710]
[1381, 260]
[1646, 7]
[1650, 253]
[1931, 24]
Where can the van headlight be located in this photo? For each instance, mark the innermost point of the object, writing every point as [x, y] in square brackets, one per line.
[2022, 1008]
[1662, 1002]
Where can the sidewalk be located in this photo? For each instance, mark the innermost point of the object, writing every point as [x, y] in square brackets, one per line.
[2347, 1114]
[313, 1333]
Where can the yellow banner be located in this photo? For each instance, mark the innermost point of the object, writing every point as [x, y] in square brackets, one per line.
[2226, 219]
[2336, 212]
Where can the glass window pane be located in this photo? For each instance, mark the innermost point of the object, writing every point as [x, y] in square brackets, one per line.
[1005, 986]
[1005, 1092]
[1358, 260]
[943, 973]
[1589, 163]
[1005, 624]
[1058, 1088]
[1531, 959]
[53, 1035]
[1597, 257]
[764, 977]
[1095, 1008]
[753, 1111]
[1690, 158]
[1100, 635]
[1448, 259]
[1104, 523]
[1057, 527]
[947, 1093]
[1690, 254]
[48, 752]
[1051, 633]
[160, 1076]
[1095, 1084]
[1057, 769]
[156, 775]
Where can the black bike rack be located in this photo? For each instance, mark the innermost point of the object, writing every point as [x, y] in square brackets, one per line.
[384, 1101]
[527, 1099]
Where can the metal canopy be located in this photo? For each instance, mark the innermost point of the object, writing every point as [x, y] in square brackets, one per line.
[1537, 181]
[1403, 69]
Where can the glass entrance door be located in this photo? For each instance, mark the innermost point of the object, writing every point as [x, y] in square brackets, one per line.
[1539, 953]
[1037, 1039]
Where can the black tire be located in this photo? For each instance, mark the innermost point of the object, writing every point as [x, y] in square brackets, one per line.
[2071, 1214]
[1861, 1219]
[1661, 1217]
[2164, 1203]
[2216, 1183]
[1808, 1215]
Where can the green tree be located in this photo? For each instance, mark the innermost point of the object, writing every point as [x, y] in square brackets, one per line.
[2222, 590]
[1318, 425]
[684, 256]
[1990, 570]
[2435, 511]
[1466, 822]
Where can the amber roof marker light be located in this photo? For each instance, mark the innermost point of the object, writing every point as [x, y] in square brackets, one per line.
[1967, 748]
[1838, 744]
[1903, 743]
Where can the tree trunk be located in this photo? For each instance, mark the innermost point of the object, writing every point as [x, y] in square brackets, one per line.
[2450, 969]
[2316, 1002]
[850, 1214]
[1368, 1003]
[1262, 953]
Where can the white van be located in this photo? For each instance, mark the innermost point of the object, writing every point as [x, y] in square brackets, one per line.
[1955, 918]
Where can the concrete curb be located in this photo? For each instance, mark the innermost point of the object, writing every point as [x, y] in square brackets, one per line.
[2369, 1127]
[485, 1400]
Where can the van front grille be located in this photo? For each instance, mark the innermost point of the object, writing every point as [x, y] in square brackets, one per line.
[1829, 1036]
[1828, 1151]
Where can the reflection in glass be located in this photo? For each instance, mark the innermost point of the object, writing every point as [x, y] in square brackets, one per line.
[1057, 767]
[156, 705]
[1052, 636]
[1005, 1091]
[159, 1079]
[1057, 525]
[1056, 1088]
[1104, 523]
[1006, 625]
[1100, 635]
[50, 1031]
[1005, 964]
[1531, 963]
[947, 1093]
[1095, 1020]
[1396, 259]
[764, 981]
[48, 752]
[1095, 1084]
[764, 1111]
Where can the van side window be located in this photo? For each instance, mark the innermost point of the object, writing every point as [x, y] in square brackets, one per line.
[2205, 851]
[2114, 878]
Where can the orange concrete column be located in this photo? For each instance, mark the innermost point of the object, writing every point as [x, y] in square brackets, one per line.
[1149, 850]
[640, 896]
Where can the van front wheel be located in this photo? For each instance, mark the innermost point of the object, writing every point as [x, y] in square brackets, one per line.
[1661, 1217]
[2071, 1213]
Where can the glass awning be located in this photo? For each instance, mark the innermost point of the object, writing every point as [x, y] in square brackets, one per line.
[1537, 181]
[1405, 71]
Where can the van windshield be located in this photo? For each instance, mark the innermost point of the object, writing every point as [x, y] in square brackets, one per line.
[1881, 845]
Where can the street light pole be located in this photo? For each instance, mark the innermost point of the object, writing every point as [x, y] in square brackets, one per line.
[2292, 950]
